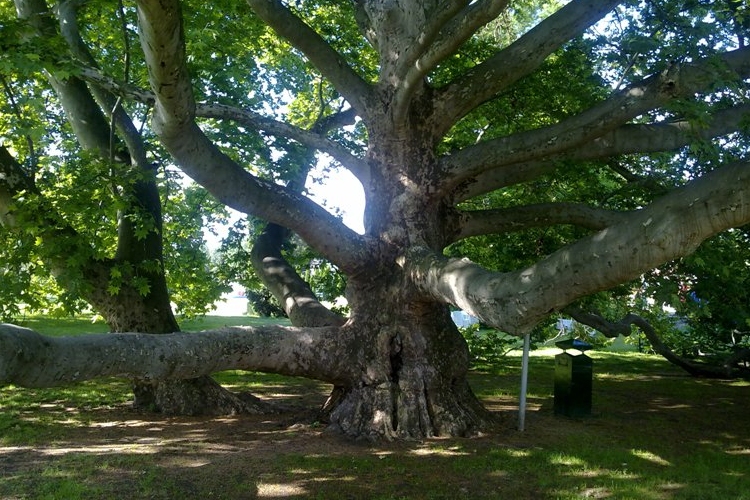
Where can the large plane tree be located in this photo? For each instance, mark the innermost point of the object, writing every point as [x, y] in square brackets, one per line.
[460, 119]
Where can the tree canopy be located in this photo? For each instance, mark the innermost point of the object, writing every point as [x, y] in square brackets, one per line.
[585, 143]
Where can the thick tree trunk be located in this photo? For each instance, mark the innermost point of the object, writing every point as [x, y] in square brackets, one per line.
[409, 361]
[414, 364]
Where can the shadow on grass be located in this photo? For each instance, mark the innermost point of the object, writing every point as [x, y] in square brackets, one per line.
[654, 434]
[297, 462]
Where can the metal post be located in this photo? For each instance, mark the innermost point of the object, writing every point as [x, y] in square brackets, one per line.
[524, 383]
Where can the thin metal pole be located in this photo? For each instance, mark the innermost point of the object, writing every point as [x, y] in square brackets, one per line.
[524, 383]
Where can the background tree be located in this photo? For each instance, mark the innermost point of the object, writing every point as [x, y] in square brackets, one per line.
[86, 206]
[458, 134]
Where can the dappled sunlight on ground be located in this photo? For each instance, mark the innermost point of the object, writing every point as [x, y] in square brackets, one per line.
[651, 457]
[266, 490]
[138, 447]
[645, 431]
[443, 452]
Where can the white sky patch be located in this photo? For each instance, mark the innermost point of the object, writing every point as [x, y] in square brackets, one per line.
[340, 193]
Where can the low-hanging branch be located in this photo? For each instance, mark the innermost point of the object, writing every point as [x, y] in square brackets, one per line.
[623, 326]
[29, 359]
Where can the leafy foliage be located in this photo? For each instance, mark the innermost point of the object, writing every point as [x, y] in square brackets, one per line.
[487, 346]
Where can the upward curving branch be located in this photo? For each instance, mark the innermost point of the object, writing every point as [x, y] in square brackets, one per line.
[448, 27]
[650, 93]
[517, 60]
[174, 122]
[442, 40]
[627, 139]
[671, 227]
[86, 109]
[292, 292]
[329, 62]
[436, 22]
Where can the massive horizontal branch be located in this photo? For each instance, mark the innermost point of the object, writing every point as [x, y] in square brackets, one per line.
[652, 92]
[669, 228]
[506, 220]
[519, 59]
[29, 359]
[174, 113]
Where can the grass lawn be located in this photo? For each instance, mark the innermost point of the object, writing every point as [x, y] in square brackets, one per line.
[654, 434]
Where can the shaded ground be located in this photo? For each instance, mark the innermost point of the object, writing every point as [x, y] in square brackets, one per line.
[654, 434]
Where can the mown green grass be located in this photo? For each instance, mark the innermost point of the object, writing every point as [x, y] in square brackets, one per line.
[654, 434]
[88, 324]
